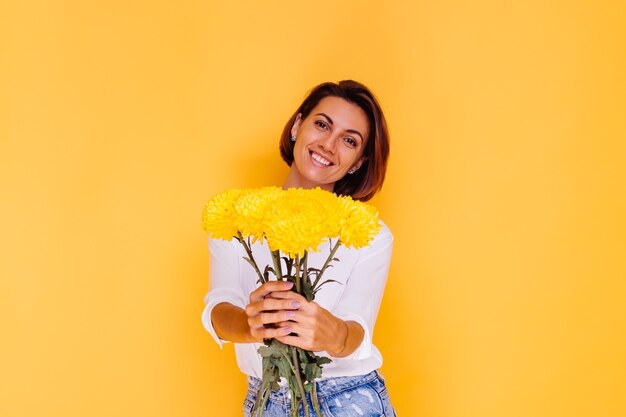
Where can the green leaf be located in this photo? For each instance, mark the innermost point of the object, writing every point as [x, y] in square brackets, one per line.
[309, 372]
[324, 282]
[323, 360]
[250, 262]
[308, 387]
[273, 350]
[293, 385]
[302, 355]
[284, 369]
[288, 264]
[275, 360]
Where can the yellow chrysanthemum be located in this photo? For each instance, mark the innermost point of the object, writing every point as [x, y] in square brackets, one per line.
[301, 219]
[252, 209]
[219, 217]
[360, 223]
[292, 220]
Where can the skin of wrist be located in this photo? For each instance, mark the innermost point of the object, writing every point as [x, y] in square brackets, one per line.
[342, 332]
[250, 338]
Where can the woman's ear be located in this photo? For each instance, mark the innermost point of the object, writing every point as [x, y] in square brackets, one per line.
[359, 163]
[296, 125]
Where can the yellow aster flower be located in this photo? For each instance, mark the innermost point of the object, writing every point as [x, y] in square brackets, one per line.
[360, 223]
[252, 209]
[292, 220]
[301, 219]
[219, 217]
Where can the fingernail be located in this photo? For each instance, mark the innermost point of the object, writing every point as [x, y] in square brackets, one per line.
[288, 284]
[291, 314]
[295, 304]
[287, 330]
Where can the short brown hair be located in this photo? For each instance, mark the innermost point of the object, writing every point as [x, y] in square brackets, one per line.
[368, 179]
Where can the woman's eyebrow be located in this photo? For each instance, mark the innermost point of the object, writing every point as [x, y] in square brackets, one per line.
[356, 132]
[326, 116]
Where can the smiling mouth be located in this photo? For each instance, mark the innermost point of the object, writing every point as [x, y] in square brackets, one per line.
[320, 159]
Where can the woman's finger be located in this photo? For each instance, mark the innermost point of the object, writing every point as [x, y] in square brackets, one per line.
[271, 317]
[309, 308]
[269, 287]
[290, 295]
[296, 341]
[262, 332]
[297, 329]
[271, 305]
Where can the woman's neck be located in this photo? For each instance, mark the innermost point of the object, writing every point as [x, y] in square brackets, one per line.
[295, 180]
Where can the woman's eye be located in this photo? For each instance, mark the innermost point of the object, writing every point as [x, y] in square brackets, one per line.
[321, 124]
[351, 141]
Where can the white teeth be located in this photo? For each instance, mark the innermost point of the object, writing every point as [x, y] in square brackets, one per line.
[320, 159]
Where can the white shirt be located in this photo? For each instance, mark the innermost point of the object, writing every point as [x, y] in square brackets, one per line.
[362, 274]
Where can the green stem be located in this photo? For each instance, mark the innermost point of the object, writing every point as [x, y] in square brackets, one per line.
[296, 372]
[261, 399]
[295, 405]
[298, 286]
[294, 356]
[277, 268]
[249, 252]
[305, 270]
[328, 260]
[288, 265]
[316, 404]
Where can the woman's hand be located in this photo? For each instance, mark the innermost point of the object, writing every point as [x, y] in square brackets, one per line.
[269, 309]
[315, 328]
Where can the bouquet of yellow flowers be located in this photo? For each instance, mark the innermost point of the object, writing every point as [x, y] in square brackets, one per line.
[292, 222]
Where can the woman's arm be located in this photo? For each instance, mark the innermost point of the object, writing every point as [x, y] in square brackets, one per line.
[363, 293]
[354, 337]
[259, 319]
[270, 312]
[231, 323]
[275, 311]
[317, 329]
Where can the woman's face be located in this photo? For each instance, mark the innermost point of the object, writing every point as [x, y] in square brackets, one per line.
[329, 142]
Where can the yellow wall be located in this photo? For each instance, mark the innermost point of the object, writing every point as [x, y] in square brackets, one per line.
[506, 194]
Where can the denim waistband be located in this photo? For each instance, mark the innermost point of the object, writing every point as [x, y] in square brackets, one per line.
[325, 387]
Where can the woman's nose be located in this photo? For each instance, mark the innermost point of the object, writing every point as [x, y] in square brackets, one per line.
[328, 143]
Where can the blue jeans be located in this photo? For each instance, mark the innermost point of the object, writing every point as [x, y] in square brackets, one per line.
[358, 396]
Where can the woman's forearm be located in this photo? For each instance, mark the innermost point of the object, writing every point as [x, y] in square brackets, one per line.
[231, 323]
[350, 339]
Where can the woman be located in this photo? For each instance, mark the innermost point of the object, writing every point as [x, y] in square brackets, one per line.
[336, 140]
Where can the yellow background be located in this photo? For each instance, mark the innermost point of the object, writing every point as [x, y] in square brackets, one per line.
[506, 192]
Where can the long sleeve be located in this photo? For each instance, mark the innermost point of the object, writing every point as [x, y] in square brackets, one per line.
[363, 294]
[224, 281]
